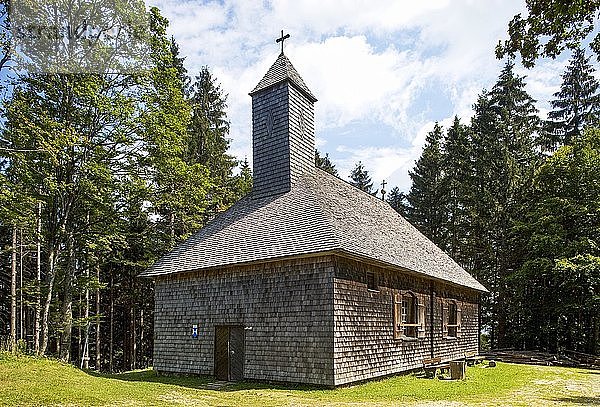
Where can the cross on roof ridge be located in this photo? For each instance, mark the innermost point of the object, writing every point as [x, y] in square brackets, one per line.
[282, 39]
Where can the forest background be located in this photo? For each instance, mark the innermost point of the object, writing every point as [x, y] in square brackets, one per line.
[104, 170]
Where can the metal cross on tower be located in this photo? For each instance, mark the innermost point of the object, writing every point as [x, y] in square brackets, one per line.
[383, 184]
[282, 39]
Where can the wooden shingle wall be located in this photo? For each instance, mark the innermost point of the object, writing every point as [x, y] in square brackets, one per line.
[283, 138]
[270, 142]
[364, 344]
[467, 341]
[286, 308]
[301, 133]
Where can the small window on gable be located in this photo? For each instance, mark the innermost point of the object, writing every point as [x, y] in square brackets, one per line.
[452, 317]
[409, 318]
[371, 281]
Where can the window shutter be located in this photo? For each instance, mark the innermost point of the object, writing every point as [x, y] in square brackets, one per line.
[421, 319]
[444, 320]
[458, 319]
[397, 301]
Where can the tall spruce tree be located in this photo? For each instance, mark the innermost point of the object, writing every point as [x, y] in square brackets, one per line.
[458, 172]
[426, 210]
[518, 119]
[325, 163]
[208, 141]
[397, 200]
[577, 103]
[243, 180]
[178, 64]
[505, 155]
[209, 128]
[180, 185]
[360, 178]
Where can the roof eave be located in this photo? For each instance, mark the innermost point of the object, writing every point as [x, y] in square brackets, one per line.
[391, 266]
[339, 252]
[149, 274]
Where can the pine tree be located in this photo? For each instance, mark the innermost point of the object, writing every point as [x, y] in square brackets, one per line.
[504, 159]
[360, 178]
[518, 119]
[177, 63]
[244, 180]
[426, 210]
[458, 172]
[577, 104]
[180, 183]
[325, 163]
[208, 142]
[209, 128]
[397, 200]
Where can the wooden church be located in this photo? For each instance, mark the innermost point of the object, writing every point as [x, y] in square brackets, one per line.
[307, 279]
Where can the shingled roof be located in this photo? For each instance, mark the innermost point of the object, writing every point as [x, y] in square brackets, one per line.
[320, 214]
[283, 70]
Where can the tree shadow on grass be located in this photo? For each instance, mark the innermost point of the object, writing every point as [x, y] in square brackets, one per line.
[199, 382]
[579, 400]
[151, 376]
[249, 385]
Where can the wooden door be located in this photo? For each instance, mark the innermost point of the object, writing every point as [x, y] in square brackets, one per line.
[229, 353]
[222, 353]
[236, 353]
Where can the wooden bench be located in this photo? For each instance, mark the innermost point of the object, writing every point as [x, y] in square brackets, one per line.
[473, 358]
[431, 366]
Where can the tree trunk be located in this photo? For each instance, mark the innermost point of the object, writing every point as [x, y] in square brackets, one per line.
[133, 346]
[13, 291]
[38, 264]
[67, 306]
[67, 316]
[98, 353]
[595, 346]
[112, 324]
[86, 356]
[142, 347]
[80, 344]
[50, 275]
[21, 310]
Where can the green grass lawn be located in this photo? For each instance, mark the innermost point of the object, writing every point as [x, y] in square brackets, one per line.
[30, 381]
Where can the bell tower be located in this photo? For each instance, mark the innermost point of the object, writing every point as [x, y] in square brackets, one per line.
[283, 131]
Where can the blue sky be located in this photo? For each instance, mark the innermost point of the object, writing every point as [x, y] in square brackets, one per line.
[383, 71]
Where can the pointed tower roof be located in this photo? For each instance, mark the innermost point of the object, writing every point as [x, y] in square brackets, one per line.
[283, 70]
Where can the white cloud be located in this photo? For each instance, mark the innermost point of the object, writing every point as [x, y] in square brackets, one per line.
[543, 81]
[354, 82]
[367, 62]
